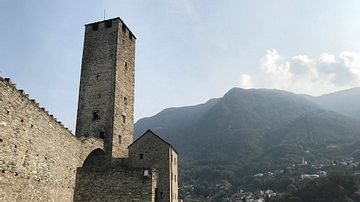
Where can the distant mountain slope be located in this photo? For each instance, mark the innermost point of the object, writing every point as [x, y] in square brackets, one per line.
[172, 120]
[255, 131]
[346, 102]
[247, 125]
[248, 122]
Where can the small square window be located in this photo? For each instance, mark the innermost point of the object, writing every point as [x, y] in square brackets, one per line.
[141, 156]
[95, 26]
[123, 27]
[102, 135]
[96, 116]
[108, 23]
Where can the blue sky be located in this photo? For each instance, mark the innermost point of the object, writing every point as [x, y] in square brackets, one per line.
[187, 51]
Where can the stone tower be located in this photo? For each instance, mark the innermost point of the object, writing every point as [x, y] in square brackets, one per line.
[106, 94]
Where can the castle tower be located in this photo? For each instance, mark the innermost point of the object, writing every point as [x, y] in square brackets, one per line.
[106, 94]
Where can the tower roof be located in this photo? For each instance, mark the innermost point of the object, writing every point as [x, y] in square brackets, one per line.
[117, 18]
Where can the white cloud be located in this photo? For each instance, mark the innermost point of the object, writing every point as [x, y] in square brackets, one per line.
[301, 74]
[245, 81]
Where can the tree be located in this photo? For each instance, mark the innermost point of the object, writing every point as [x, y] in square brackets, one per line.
[320, 190]
[348, 181]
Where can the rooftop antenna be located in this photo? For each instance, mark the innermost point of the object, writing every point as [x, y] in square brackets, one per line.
[104, 13]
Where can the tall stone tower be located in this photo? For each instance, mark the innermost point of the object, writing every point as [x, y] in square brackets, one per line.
[106, 94]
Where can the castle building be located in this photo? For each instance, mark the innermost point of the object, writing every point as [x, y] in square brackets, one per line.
[41, 160]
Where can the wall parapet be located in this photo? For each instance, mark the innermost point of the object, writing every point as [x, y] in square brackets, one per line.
[9, 83]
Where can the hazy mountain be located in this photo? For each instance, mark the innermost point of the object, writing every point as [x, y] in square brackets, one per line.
[345, 102]
[245, 125]
[171, 121]
[229, 139]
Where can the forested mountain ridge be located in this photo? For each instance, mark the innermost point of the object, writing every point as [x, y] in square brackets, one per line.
[250, 119]
[250, 131]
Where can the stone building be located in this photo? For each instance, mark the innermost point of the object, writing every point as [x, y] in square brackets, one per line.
[41, 160]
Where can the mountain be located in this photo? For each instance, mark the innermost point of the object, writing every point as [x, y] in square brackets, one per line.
[245, 125]
[345, 102]
[172, 120]
[227, 140]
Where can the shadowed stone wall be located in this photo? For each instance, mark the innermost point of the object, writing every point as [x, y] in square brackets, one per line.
[115, 184]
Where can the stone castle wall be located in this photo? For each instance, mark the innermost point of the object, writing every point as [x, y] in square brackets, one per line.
[98, 184]
[38, 155]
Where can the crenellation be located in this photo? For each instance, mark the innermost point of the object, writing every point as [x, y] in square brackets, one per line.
[8, 80]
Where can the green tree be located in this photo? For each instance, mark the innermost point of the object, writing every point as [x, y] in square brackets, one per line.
[347, 181]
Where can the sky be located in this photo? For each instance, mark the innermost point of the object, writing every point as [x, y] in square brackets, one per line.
[186, 51]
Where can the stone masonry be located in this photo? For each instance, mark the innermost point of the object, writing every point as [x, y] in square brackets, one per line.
[39, 157]
[106, 97]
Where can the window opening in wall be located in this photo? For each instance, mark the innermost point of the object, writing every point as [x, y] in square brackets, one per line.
[97, 77]
[99, 95]
[124, 118]
[141, 156]
[130, 36]
[125, 101]
[123, 27]
[125, 65]
[96, 116]
[1, 140]
[108, 23]
[161, 195]
[119, 139]
[102, 135]
[95, 26]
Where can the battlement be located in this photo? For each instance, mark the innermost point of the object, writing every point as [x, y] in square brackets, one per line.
[9, 83]
[105, 24]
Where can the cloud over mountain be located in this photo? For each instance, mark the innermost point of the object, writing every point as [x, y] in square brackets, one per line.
[301, 74]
